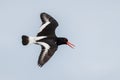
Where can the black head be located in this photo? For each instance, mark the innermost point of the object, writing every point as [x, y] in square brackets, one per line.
[61, 41]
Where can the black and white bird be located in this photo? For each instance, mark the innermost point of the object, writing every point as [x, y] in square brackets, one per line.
[46, 38]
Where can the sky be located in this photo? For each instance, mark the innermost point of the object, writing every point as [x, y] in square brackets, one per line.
[92, 25]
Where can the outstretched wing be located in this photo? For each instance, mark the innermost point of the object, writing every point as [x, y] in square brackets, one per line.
[46, 53]
[48, 26]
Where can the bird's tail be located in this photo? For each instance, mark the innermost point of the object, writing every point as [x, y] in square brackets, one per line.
[25, 40]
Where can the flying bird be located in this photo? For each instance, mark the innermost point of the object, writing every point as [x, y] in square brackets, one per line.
[47, 38]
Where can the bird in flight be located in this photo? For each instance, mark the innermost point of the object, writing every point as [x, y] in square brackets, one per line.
[47, 38]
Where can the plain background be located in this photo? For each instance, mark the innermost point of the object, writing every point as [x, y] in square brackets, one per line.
[92, 25]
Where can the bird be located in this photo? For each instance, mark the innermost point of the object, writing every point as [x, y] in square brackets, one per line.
[46, 38]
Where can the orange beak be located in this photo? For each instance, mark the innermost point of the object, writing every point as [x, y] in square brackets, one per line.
[70, 44]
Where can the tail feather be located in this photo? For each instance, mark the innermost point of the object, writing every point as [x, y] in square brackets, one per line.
[25, 40]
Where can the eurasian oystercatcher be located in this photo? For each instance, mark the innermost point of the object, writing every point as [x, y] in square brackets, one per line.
[46, 38]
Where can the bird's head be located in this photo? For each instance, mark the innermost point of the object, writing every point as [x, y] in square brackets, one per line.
[61, 41]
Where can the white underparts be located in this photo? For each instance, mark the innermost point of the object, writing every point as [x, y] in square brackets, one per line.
[44, 26]
[32, 40]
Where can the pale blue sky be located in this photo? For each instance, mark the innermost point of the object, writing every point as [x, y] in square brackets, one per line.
[92, 25]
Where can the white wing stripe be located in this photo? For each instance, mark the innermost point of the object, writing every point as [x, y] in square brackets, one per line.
[47, 47]
[44, 25]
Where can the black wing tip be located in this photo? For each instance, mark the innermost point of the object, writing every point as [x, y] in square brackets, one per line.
[40, 65]
[45, 16]
[43, 13]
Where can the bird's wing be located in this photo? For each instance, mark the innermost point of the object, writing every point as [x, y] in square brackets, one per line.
[48, 26]
[46, 53]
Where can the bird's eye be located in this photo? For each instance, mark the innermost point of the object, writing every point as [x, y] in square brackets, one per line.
[65, 39]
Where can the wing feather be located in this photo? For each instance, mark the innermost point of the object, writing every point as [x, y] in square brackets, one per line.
[48, 26]
[46, 54]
